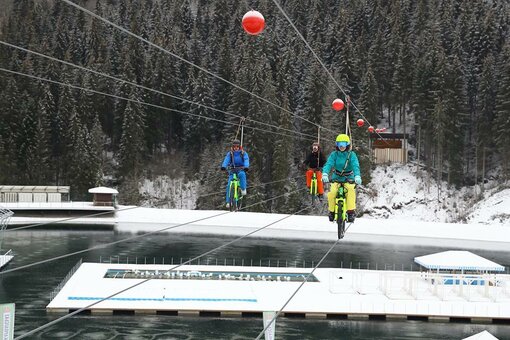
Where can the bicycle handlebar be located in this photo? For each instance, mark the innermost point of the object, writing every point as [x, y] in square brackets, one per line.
[348, 180]
[236, 169]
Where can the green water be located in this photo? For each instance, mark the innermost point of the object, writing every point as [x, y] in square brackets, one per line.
[30, 288]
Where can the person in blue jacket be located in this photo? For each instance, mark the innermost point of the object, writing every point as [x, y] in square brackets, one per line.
[343, 162]
[236, 160]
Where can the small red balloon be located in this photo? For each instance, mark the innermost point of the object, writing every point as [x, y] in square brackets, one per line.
[360, 122]
[338, 104]
[253, 22]
[371, 129]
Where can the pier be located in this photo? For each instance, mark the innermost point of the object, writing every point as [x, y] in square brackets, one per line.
[330, 293]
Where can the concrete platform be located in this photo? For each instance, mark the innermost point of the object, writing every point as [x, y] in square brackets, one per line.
[248, 291]
[5, 259]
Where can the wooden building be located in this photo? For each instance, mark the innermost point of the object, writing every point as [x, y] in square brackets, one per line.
[389, 147]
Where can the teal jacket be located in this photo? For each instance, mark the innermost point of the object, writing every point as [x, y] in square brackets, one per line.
[337, 161]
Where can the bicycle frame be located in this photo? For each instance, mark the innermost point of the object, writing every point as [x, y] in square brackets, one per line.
[233, 190]
[341, 200]
[313, 184]
[234, 182]
[341, 209]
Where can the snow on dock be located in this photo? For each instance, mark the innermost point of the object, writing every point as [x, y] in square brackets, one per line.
[247, 291]
[318, 228]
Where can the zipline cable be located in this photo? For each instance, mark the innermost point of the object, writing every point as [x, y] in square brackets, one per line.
[99, 246]
[136, 101]
[185, 60]
[298, 288]
[148, 279]
[146, 88]
[319, 60]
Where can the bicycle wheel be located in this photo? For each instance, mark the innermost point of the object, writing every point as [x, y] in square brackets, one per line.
[340, 218]
[239, 200]
[313, 190]
[341, 228]
[232, 200]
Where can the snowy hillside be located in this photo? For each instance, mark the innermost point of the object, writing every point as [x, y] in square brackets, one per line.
[396, 192]
[399, 192]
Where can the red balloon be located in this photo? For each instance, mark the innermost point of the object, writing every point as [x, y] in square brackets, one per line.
[338, 104]
[360, 122]
[253, 22]
[371, 129]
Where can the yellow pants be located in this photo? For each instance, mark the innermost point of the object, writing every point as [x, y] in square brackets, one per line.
[351, 196]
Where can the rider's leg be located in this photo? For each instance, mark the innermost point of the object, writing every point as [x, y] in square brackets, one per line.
[309, 174]
[351, 196]
[333, 190]
[320, 185]
[242, 181]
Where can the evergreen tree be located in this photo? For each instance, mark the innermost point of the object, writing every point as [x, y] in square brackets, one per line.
[131, 148]
[502, 107]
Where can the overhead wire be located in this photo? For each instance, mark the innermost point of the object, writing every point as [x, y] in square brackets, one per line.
[136, 101]
[146, 88]
[148, 279]
[320, 61]
[108, 22]
[299, 287]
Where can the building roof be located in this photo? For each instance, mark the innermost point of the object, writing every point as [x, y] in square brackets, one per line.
[103, 190]
[34, 188]
[388, 135]
[457, 260]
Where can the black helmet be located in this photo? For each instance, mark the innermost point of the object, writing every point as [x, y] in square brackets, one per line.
[236, 142]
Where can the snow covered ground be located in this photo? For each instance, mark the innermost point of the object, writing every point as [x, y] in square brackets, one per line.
[400, 192]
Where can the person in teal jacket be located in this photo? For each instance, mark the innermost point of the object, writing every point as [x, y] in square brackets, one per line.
[344, 166]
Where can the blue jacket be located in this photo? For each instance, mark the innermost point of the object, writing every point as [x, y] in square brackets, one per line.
[240, 159]
[337, 160]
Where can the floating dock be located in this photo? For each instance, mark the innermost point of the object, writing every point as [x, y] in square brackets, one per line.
[6, 258]
[206, 290]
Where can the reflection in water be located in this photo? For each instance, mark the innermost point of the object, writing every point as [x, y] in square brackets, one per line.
[30, 288]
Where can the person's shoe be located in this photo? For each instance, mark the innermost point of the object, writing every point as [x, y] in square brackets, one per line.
[243, 192]
[321, 196]
[351, 215]
[331, 216]
[227, 205]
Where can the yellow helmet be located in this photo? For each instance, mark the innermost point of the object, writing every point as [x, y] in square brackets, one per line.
[343, 138]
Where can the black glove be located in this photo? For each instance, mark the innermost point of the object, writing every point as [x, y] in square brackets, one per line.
[223, 168]
[246, 169]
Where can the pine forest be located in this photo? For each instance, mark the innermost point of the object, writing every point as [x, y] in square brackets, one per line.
[97, 106]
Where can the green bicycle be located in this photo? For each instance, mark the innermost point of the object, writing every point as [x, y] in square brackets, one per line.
[341, 207]
[313, 187]
[235, 196]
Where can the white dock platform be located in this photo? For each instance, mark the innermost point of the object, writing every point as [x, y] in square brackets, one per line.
[56, 206]
[248, 291]
[5, 258]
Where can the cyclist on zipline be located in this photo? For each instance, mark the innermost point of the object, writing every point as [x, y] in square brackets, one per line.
[236, 160]
[345, 166]
[315, 161]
